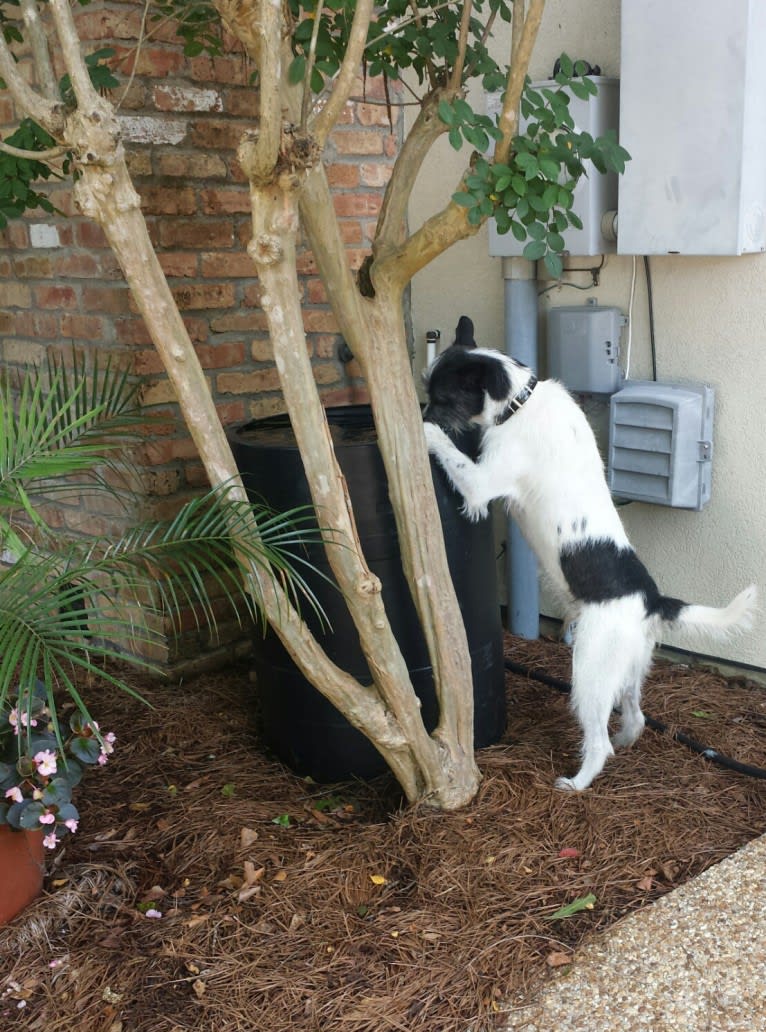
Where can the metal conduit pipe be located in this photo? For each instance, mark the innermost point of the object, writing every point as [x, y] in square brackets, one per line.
[521, 342]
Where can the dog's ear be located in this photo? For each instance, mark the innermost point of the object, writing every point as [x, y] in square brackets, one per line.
[464, 333]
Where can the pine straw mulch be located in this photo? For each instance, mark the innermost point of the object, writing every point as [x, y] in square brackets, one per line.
[361, 916]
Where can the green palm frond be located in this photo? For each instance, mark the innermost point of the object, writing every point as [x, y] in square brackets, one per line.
[57, 611]
[186, 556]
[58, 424]
[67, 608]
[40, 631]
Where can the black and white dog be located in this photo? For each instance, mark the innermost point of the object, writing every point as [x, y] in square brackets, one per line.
[539, 454]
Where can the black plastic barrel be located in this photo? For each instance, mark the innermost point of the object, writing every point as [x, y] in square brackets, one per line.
[299, 724]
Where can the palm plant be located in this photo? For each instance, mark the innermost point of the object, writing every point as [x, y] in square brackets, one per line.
[65, 607]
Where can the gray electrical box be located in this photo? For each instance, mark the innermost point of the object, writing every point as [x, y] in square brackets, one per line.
[661, 443]
[693, 117]
[596, 192]
[584, 347]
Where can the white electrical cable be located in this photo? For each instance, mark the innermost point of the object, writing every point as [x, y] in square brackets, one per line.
[630, 320]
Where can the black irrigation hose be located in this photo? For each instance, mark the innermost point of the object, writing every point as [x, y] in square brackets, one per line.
[656, 725]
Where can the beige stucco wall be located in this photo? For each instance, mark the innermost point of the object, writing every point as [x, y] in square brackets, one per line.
[710, 325]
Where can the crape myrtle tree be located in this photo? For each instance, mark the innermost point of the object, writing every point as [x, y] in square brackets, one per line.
[309, 56]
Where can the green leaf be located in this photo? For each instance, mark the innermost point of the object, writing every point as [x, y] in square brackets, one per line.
[447, 113]
[519, 231]
[283, 820]
[455, 139]
[534, 250]
[465, 200]
[87, 750]
[297, 69]
[570, 909]
[554, 264]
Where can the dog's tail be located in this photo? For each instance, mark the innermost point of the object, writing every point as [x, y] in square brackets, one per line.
[709, 622]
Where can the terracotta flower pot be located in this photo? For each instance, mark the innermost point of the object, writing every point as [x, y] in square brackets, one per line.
[21, 869]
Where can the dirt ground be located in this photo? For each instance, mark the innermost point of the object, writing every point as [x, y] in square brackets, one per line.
[289, 905]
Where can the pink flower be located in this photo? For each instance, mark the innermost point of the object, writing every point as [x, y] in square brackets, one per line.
[46, 762]
[50, 841]
[15, 718]
[102, 758]
[153, 913]
[15, 794]
[72, 824]
[47, 818]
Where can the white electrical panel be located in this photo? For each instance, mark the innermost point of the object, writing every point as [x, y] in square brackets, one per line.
[595, 194]
[693, 117]
[661, 443]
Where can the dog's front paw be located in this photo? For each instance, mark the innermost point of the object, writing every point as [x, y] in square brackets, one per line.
[474, 513]
[565, 785]
[435, 436]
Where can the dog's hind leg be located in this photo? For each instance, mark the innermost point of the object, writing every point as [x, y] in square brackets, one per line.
[610, 657]
[601, 665]
[631, 718]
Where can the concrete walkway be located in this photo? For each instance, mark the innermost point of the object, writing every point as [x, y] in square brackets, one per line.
[694, 961]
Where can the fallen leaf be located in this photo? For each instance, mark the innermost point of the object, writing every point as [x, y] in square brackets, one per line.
[136, 808]
[646, 884]
[583, 903]
[280, 876]
[247, 836]
[378, 879]
[156, 892]
[669, 870]
[199, 988]
[253, 874]
[247, 893]
[558, 959]
[569, 853]
[198, 919]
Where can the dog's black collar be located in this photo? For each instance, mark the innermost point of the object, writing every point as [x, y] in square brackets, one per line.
[517, 401]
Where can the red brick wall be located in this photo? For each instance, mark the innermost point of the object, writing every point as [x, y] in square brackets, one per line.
[60, 286]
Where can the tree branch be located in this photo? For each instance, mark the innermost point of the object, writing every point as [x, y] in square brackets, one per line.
[40, 52]
[49, 114]
[456, 78]
[69, 42]
[451, 224]
[321, 224]
[31, 155]
[324, 122]
[306, 100]
[428, 127]
[522, 46]
[258, 25]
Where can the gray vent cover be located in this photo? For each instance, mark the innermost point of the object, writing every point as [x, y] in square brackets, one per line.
[661, 443]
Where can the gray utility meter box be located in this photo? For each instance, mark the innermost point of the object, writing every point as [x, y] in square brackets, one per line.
[584, 347]
[661, 443]
[596, 192]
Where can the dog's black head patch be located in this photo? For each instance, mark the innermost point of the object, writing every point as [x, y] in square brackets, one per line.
[457, 385]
